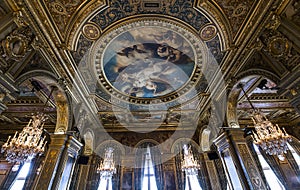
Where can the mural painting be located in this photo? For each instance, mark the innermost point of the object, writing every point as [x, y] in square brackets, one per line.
[148, 62]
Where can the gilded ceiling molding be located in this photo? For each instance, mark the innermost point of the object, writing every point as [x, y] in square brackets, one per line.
[17, 44]
[19, 19]
[78, 23]
[249, 33]
[91, 31]
[221, 22]
[236, 12]
[46, 40]
[274, 22]
[231, 113]
[68, 16]
[180, 11]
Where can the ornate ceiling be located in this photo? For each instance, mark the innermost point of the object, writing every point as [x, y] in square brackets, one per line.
[170, 65]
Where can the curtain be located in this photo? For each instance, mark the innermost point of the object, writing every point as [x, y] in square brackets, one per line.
[156, 158]
[32, 174]
[117, 158]
[179, 173]
[139, 169]
[202, 172]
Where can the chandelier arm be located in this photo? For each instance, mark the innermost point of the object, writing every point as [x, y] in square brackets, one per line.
[49, 96]
[240, 85]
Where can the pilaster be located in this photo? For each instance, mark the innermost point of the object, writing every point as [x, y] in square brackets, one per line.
[241, 170]
[212, 172]
[67, 162]
[54, 154]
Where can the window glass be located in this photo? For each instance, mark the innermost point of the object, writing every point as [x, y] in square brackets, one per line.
[66, 176]
[192, 183]
[149, 181]
[295, 155]
[272, 180]
[21, 177]
[105, 183]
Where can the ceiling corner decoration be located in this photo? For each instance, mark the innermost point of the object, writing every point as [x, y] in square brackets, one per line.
[181, 11]
[236, 12]
[149, 60]
[67, 16]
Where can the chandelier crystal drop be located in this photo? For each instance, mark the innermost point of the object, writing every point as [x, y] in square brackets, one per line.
[28, 143]
[107, 167]
[269, 137]
[189, 165]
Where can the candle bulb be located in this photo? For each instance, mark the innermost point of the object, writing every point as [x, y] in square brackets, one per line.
[8, 139]
[15, 134]
[29, 122]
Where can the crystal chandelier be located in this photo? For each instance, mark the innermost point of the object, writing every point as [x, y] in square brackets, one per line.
[107, 167]
[189, 165]
[271, 138]
[28, 143]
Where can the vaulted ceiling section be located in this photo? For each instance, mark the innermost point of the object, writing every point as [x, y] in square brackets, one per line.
[152, 67]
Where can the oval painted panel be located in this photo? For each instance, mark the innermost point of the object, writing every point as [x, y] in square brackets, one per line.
[148, 61]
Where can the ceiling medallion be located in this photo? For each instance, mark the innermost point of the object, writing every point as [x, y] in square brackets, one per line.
[278, 46]
[148, 61]
[208, 32]
[91, 31]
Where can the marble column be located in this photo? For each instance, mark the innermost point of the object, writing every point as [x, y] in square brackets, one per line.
[241, 169]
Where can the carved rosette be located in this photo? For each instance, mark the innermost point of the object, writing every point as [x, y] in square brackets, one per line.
[208, 32]
[278, 46]
[91, 31]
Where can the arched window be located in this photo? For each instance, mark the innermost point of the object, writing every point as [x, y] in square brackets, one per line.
[272, 180]
[148, 178]
[148, 172]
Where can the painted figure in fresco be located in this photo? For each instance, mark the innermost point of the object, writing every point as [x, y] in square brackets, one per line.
[148, 64]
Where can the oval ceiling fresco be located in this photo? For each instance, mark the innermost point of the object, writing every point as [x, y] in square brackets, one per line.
[147, 59]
